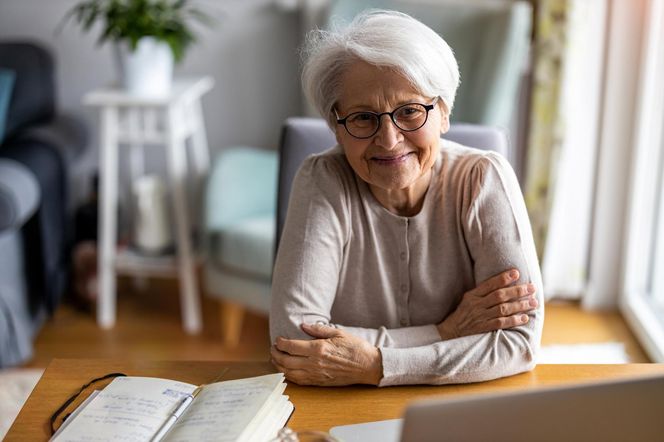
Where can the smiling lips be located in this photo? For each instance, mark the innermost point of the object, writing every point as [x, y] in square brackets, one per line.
[389, 160]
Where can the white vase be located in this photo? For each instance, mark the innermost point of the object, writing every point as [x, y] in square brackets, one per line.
[152, 229]
[148, 70]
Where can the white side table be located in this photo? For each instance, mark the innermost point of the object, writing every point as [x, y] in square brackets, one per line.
[134, 122]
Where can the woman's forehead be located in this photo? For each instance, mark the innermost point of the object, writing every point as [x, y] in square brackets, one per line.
[366, 85]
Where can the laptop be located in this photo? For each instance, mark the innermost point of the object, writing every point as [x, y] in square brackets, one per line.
[618, 410]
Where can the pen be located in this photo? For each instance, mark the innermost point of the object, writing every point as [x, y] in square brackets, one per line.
[175, 415]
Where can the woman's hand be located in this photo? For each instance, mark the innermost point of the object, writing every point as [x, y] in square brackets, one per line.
[335, 357]
[494, 304]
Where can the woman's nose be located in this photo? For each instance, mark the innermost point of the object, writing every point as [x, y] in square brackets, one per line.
[388, 134]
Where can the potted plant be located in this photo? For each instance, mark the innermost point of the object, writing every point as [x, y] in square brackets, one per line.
[149, 35]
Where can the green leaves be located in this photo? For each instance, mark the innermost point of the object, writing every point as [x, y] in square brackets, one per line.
[130, 20]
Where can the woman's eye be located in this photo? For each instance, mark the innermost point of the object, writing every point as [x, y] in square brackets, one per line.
[362, 119]
[409, 112]
[362, 116]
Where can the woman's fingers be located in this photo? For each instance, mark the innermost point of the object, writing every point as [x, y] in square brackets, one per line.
[494, 304]
[298, 346]
[285, 360]
[512, 308]
[494, 283]
[506, 322]
[341, 360]
[508, 294]
[300, 377]
[297, 375]
[320, 331]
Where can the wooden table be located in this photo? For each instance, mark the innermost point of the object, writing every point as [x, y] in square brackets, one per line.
[316, 408]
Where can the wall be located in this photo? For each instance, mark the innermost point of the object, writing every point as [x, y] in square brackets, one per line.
[251, 53]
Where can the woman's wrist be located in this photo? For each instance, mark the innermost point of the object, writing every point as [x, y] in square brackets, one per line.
[375, 372]
[446, 330]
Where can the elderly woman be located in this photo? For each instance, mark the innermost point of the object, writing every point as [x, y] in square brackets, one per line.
[405, 258]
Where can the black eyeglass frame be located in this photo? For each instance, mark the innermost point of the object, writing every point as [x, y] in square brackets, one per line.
[379, 116]
[72, 398]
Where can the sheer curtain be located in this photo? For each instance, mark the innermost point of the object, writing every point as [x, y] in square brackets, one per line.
[563, 138]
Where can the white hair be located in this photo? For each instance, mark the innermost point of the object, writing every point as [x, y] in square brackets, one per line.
[381, 38]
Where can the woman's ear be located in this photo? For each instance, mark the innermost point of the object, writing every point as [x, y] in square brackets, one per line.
[337, 133]
[336, 128]
[445, 123]
[444, 117]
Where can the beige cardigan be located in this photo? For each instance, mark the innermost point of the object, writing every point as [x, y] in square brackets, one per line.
[346, 260]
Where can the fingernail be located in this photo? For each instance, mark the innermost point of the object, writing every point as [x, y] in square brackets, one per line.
[514, 274]
[531, 288]
[533, 302]
[524, 318]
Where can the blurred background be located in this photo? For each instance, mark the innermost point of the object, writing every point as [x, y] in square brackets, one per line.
[577, 86]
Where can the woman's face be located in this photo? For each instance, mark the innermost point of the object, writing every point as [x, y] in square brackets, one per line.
[392, 159]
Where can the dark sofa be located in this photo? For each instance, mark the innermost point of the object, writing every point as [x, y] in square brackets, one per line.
[44, 144]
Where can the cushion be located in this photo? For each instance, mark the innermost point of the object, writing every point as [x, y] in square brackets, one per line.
[19, 194]
[242, 184]
[6, 87]
[246, 246]
[34, 83]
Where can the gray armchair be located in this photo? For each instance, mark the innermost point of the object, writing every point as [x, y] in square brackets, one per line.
[19, 199]
[243, 220]
[302, 137]
[44, 145]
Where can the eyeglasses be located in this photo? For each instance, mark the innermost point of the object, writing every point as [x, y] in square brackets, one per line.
[58, 415]
[408, 118]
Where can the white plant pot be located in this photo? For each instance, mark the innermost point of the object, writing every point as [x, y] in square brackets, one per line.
[147, 71]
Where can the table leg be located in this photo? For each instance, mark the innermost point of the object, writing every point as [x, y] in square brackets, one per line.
[177, 164]
[199, 141]
[137, 167]
[201, 161]
[137, 159]
[108, 169]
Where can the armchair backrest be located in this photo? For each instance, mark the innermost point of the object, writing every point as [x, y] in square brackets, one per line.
[490, 39]
[302, 137]
[33, 96]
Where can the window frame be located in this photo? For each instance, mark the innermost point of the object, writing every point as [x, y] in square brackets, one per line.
[645, 203]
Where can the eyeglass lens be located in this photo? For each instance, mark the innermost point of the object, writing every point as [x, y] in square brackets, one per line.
[408, 117]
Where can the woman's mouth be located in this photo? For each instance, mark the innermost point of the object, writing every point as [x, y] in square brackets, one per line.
[390, 160]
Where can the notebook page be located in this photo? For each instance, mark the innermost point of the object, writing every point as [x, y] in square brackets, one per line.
[75, 413]
[277, 417]
[263, 415]
[130, 409]
[222, 411]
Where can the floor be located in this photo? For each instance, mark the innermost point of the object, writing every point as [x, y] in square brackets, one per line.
[148, 326]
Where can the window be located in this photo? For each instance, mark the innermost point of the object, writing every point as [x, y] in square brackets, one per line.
[657, 269]
[642, 299]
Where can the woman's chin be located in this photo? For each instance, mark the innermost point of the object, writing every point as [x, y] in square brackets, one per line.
[394, 174]
[394, 181]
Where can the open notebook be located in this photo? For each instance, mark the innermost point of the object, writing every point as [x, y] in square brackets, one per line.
[146, 409]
